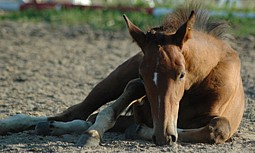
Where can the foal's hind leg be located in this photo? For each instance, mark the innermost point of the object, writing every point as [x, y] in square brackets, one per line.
[22, 122]
[106, 118]
[19, 123]
[107, 90]
[60, 128]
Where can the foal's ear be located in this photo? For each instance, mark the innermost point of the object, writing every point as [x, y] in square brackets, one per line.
[135, 32]
[184, 32]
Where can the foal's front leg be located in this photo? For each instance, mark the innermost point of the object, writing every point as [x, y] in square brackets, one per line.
[106, 118]
[217, 131]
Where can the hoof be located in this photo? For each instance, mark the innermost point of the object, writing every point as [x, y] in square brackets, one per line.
[131, 132]
[87, 140]
[219, 129]
[43, 128]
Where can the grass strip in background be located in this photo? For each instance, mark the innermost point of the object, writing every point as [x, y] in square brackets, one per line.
[97, 19]
[111, 19]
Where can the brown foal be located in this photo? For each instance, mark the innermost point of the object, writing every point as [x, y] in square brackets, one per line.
[189, 87]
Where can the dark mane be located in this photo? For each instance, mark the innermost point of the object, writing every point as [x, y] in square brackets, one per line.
[203, 23]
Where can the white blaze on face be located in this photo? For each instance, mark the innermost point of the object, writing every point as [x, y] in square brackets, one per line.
[155, 78]
[155, 74]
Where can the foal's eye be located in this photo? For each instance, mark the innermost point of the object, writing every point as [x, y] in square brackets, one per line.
[181, 76]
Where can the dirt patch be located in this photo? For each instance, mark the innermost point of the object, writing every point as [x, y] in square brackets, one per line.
[45, 69]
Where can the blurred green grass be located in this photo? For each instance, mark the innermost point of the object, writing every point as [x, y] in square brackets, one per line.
[112, 19]
[97, 19]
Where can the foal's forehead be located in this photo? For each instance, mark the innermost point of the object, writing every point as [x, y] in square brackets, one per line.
[167, 56]
[170, 54]
[164, 42]
[167, 50]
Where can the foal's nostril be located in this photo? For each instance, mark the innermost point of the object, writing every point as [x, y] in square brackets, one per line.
[169, 140]
[173, 138]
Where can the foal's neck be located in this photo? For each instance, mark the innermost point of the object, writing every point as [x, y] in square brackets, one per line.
[202, 53]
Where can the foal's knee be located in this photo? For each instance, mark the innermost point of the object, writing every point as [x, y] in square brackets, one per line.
[220, 130]
[136, 86]
[142, 112]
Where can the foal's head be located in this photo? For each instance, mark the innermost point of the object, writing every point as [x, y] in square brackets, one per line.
[163, 73]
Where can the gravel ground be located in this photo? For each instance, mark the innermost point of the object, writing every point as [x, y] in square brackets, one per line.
[45, 69]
